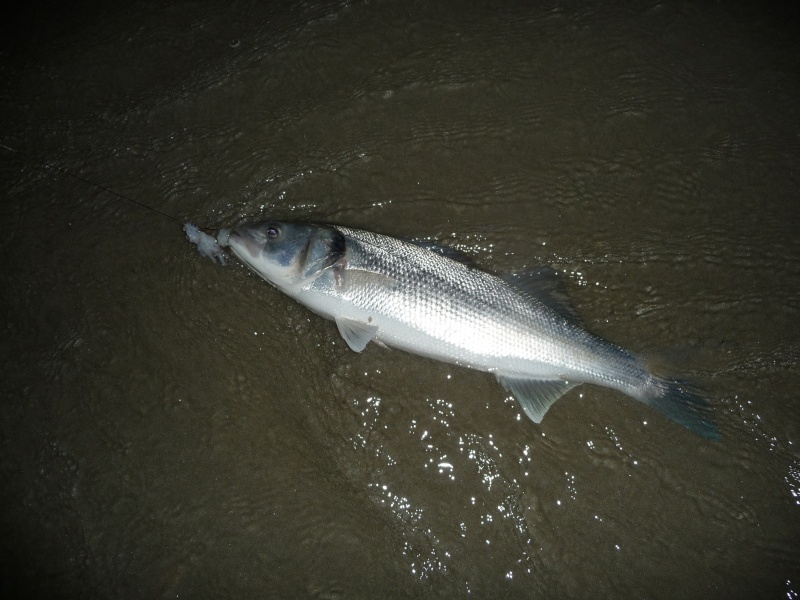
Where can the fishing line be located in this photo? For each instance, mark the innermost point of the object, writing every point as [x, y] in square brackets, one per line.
[43, 165]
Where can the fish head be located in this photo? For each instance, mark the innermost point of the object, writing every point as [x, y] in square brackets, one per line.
[287, 255]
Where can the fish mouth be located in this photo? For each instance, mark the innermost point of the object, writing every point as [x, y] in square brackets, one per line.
[240, 242]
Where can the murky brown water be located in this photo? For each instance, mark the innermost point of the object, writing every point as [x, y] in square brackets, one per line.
[171, 428]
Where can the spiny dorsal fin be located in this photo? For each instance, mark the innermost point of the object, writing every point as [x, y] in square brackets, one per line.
[447, 252]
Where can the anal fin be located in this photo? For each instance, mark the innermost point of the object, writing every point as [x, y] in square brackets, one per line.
[536, 396]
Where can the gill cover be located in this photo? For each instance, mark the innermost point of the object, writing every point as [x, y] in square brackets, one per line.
[289, 254]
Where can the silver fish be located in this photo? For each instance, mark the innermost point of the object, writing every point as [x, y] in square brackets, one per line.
[420, 299]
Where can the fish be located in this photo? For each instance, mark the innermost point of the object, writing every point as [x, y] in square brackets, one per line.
[429, 301]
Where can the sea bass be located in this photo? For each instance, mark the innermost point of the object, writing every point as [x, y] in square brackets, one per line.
[419, 298]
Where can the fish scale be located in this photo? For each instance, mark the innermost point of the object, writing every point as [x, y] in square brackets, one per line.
[451, 295]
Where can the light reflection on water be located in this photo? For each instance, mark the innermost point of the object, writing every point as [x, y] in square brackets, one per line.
[430, 544]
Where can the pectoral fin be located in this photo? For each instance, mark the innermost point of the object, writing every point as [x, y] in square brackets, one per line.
[535, 395]
[356, 334]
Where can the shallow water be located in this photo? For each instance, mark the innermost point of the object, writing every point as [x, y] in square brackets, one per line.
[172, 428]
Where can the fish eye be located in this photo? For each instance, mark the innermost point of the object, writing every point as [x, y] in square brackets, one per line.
[273, 232]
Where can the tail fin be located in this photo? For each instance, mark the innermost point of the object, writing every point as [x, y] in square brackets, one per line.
[682, 403]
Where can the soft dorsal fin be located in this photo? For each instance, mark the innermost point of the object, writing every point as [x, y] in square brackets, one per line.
[356, 334]
[544, 284]
[536, 396]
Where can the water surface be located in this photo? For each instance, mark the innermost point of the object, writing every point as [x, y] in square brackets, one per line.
[171, 428]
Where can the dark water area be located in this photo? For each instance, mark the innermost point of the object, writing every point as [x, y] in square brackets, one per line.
[172, 428]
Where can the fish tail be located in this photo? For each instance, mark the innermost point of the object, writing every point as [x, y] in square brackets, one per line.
[682, 402]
